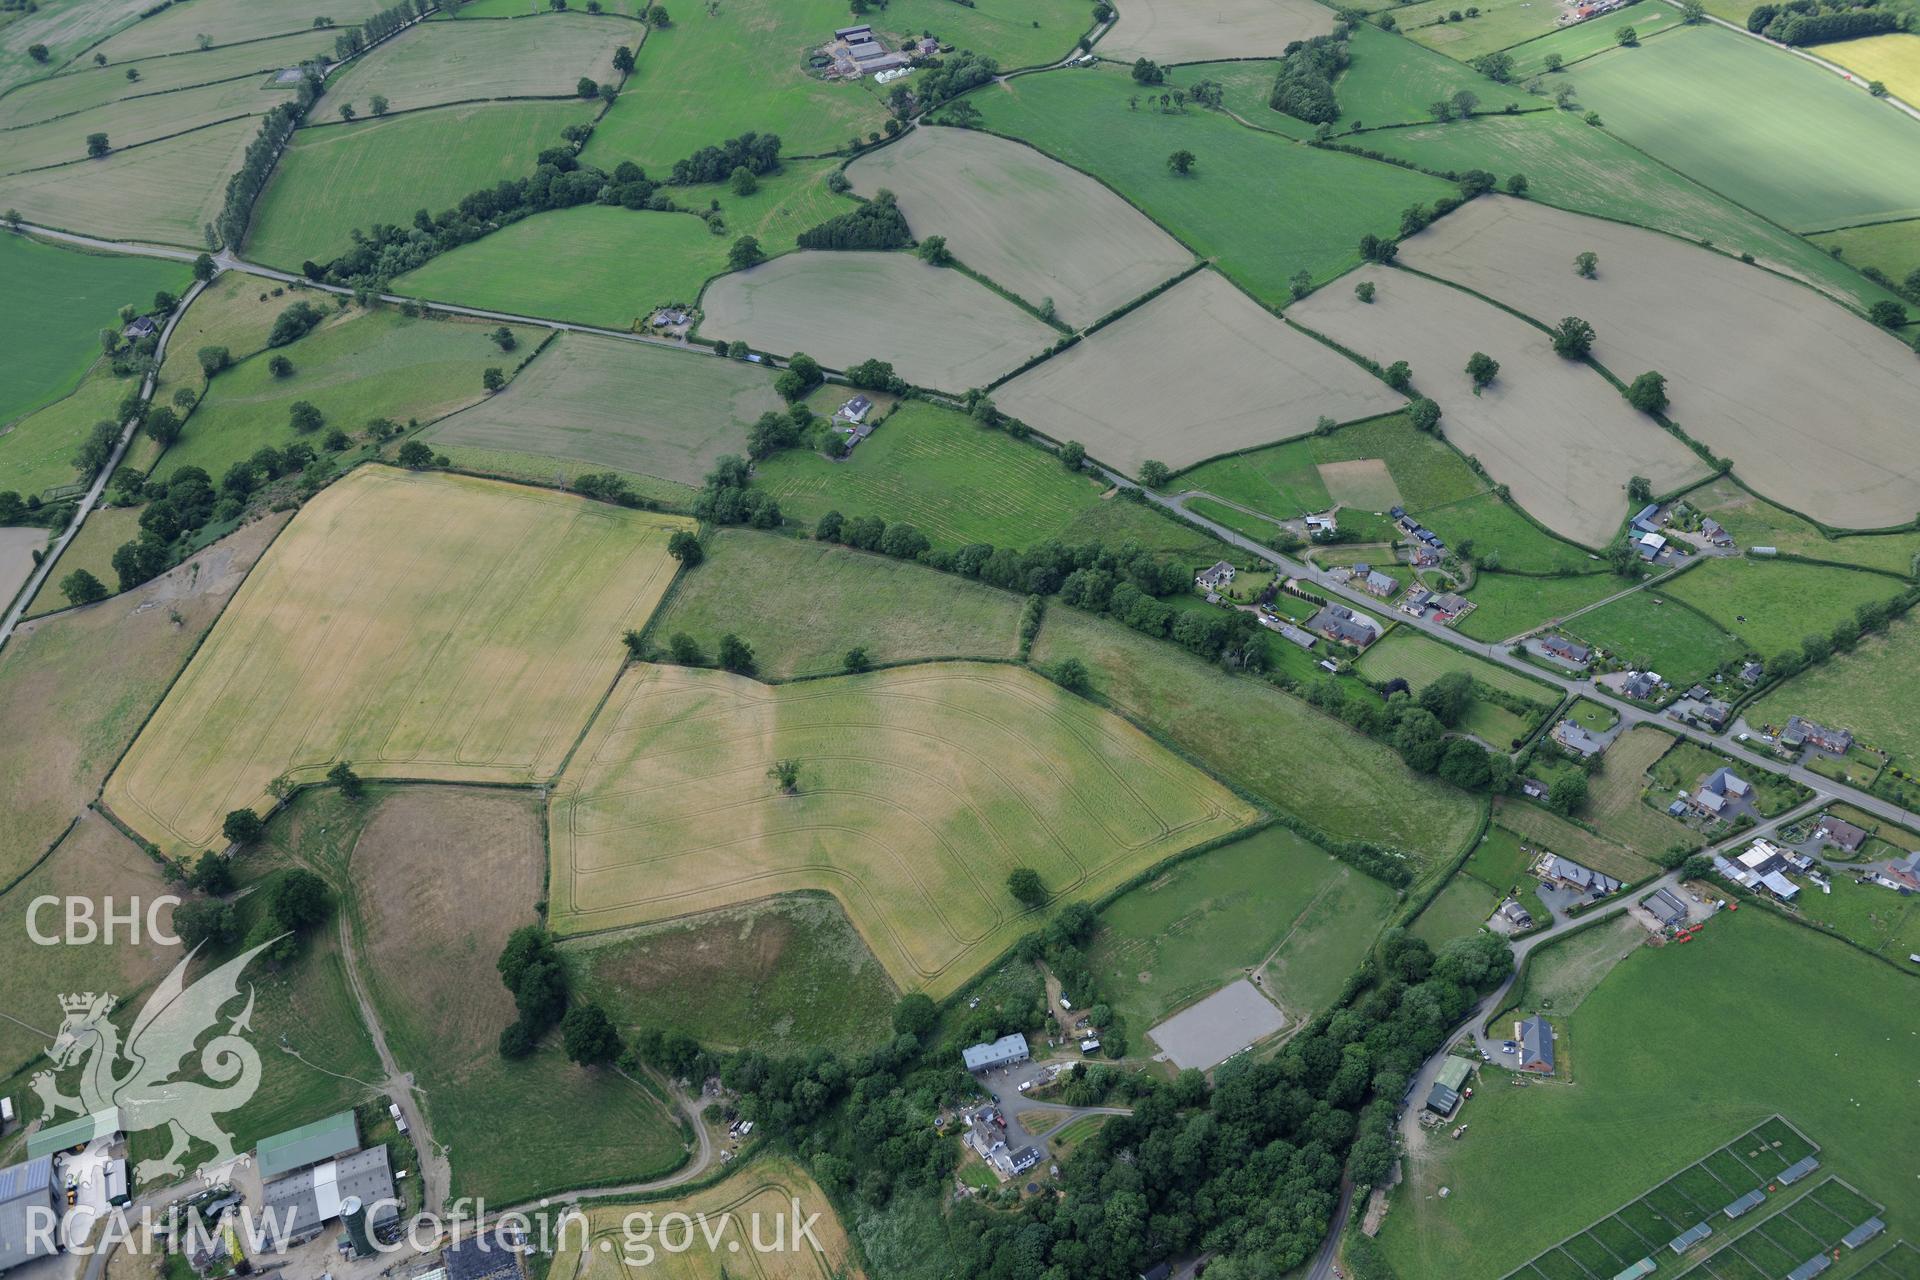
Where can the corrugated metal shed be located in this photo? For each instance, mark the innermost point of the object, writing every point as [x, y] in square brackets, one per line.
[1644, 1267]
[308, 1145]
[74, 1133]
[1454, 1072]
[1689, 1238]
[1799, 1171]
[1811, 1267]
[1863, 1233]
[1745, 1203]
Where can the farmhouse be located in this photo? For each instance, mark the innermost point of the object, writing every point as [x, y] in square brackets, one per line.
[1004, 1052]
[1220, 575]
[1558, 870]
[1536, 1045]
[1801, 732]
[1715, 532]
[854, 410]
[1379, 584]
[1337, 622]
[28, 1211]
[1577, 740]
[1565, 650]
[1839, 833]
[357, 1189]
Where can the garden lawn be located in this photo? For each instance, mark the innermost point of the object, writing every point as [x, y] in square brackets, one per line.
[1270, 743]
[1774, 604]
[786, 975]
[1870, 691]
[1271, 898]
[557, 264]
[1647, 631]
[603, 403]
[51, 344]
[937, 469]
[1460, 910]
[476, 625]
[1759, 125]
[1244, 184]
[356, 366]
[1589, 170]
[1199, 30]
[1420, 660]
[181, 182]
[1753, 521]
[1501, 861]
[657, 817]
[1507, 604]
[335, 180]
[1892, 247]
[802, 605]
[433, 63]
[1893, 60]
[36, 451]
[1614, 795]
[1689, 1084]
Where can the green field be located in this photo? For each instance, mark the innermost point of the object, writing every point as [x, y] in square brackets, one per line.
[132, 122]
[1507, 604]
[349, 177]
[1615, 804]
[1500, 861]
[1500, 24]
[1460, 910]
[604, 403]
[787, 975]
[1420, 660]
[672, 753]
[1271, 903]
[179, 27]
[1585, 39]
[1543, 830]
[1588, 170]
[807, 603]
[91, 549]
[1892, 247]
[1390, 80]
[80, 89]
[1503, 538]
[440, 62]
[954, 480]
[358, 366]
[1774, 604]
[50, 346]
[1244, 184]
[36, 452]
[1753, 521]
[1268, 742]
[1869, 691]
[555, 264]
[1693, 100]
[1659, 1086]
[1672, 639]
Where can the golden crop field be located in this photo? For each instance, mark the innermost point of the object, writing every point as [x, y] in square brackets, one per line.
[920, 788]
[418, 625]
[725, 1230]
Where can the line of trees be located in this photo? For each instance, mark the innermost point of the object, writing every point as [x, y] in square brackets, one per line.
[1804, 22]
[757, 153]
[244, 187]
[378, 27]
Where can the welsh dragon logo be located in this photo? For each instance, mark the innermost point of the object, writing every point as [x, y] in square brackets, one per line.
[141, 1075]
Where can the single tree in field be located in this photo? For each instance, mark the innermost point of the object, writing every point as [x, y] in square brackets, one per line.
[1154, 474]
[1483, 369]
[736, 655]
[81, 587]
[379, 104]
[304, 417]
[1025, 886]
[1424, 414]
[492, 378]
[743, 182]
[1648, 393]
[685, 547]
[1888, 314]
[1398, 375]
[1073, 455]
[787, 774]
[745, 253]
[414, 455]
[346, 111]
[1553, 62]
[343, 777]
[1573, 338]
[242, 826]
[1640, 490]
[97, 145]
[1071, 674]
[588, 1035]
[133, 75]
[635, 642]
[280, 367]
[934, 250]
[1301, 284]
[1517, 185]
[857, 660]
[684, 649]
[1587, 265]
[503, 338]
[1465, 102]
[38, 52]
[162, 425]
[1627, 37]
[1182, 162]
[1364, 291]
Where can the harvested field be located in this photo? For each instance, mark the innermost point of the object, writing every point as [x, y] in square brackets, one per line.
[1027, 223]
[783, 975]
[1272, 744]
[554, 264]
[1366, 483]
[358, 365]
[1893, 60]
[1759, 126]
[93, 861]
[131, 122]
[81, 89]
[473, 657]
[1571, 166]
[441, 62]
[179, 27]
[766, 1191]
[1246, 184]
[65, 27]
[814, 601]
[332, 181]
[1199, 31]
[938, 328]
[1553, 431]
[1231, 376]
[17, 548]
[619, 406]
[51, 345]
[439, 877]
[682, 755]
[181, 183]
[65, 727]
[1806, 398]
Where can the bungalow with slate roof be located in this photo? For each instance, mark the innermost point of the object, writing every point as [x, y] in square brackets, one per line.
[1564, 871]
[1536, 1045]
[1450, 605]
[1715, 532]
[1839, 833]
[1577, 655]
[1902, 874]
[1721, 788]
[854, 410]
[1641, 684]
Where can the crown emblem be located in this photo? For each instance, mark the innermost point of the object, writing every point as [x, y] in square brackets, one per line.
[80, 1003]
